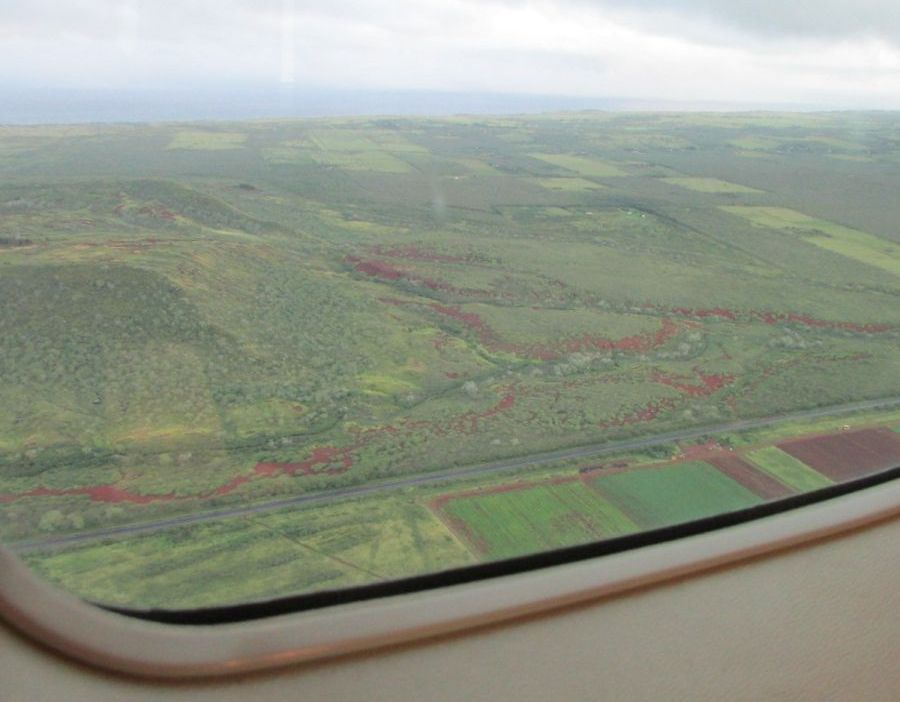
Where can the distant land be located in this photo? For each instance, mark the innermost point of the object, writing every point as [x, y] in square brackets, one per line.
[71, 106]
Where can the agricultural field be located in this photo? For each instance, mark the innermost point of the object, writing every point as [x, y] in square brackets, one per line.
[424, 528]
[517, 519]
[659, 496]
[787, 469]
[220, 315]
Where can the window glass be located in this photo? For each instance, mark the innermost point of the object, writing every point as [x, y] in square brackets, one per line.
[296, 297]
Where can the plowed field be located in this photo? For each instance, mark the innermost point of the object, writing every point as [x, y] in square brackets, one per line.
[848, 455]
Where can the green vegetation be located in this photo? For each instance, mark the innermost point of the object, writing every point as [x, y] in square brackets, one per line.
[259, 557]
[209, 315]
[788, 469]
[857, 245]
[710, 185]
[569, 184]
[204, 140]
[535, 518]
[590, 167]
[663, 495]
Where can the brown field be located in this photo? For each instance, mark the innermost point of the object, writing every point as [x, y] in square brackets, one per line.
[747, 475]
[848, 455]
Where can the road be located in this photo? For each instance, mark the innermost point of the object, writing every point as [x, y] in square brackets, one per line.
[481, 469]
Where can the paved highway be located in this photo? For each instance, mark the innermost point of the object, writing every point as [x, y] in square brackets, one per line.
[587, 451]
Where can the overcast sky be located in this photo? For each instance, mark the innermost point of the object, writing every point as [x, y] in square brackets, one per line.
[831, 52]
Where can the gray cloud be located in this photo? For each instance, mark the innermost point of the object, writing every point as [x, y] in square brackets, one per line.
[810, 19]
[770, 50]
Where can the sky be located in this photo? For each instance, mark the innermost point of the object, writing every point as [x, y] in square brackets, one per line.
[817, 52]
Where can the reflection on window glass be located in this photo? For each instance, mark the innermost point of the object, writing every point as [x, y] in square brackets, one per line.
[246, 359]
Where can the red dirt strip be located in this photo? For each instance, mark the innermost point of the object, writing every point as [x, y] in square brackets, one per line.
[323, 460]
[637, 343]
[754, 480]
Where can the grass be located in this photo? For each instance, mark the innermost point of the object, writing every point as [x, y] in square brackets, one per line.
[574, 185]
[788, 469]
[663, 495]
[590, 167]
[710, 185]
[271, 555]
[786, 430]
[535, 518]
[202, 140]
[554, 326]
[377, 161]
[860, 246]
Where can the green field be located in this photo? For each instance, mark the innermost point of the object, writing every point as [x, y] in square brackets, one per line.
[788, 469]
[659, 496]
[710, 185]
[857, 245]
[218, 314]
[590, 167]
[569, 184]
[520, 521]
[260, 557]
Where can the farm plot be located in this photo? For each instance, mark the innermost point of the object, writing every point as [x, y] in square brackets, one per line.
[710, 185]
[670, 494]
[848, 455]
[787, 469]
[575, 185]
[268, 555]
[851, 243]
[207, 140]
[750, 477]
[512, 520]
[590, 167]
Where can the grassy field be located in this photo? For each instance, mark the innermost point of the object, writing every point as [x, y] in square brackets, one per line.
[659, 496]
[215, 314]
[788, 469]
[851, 243]
[590, 167]
[710, 185]
[535, 518]
[260, 557]
[398, 533]
[570, 184]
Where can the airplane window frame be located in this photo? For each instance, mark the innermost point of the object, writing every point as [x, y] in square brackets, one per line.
[244, 638]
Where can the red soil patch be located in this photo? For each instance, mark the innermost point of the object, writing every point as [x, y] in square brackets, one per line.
[385, 271]
[777, 318]
[719, 312]
[97, 493]
[700, 452]
[708, 383]
[768, 317]
[747, 475]
[847, 455]
[468, 423]
[376, 269]
[323, 460]
[414, 253]
[638, 343]
[650, 412]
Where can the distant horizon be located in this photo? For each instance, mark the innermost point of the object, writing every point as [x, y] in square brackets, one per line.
[37, 106]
